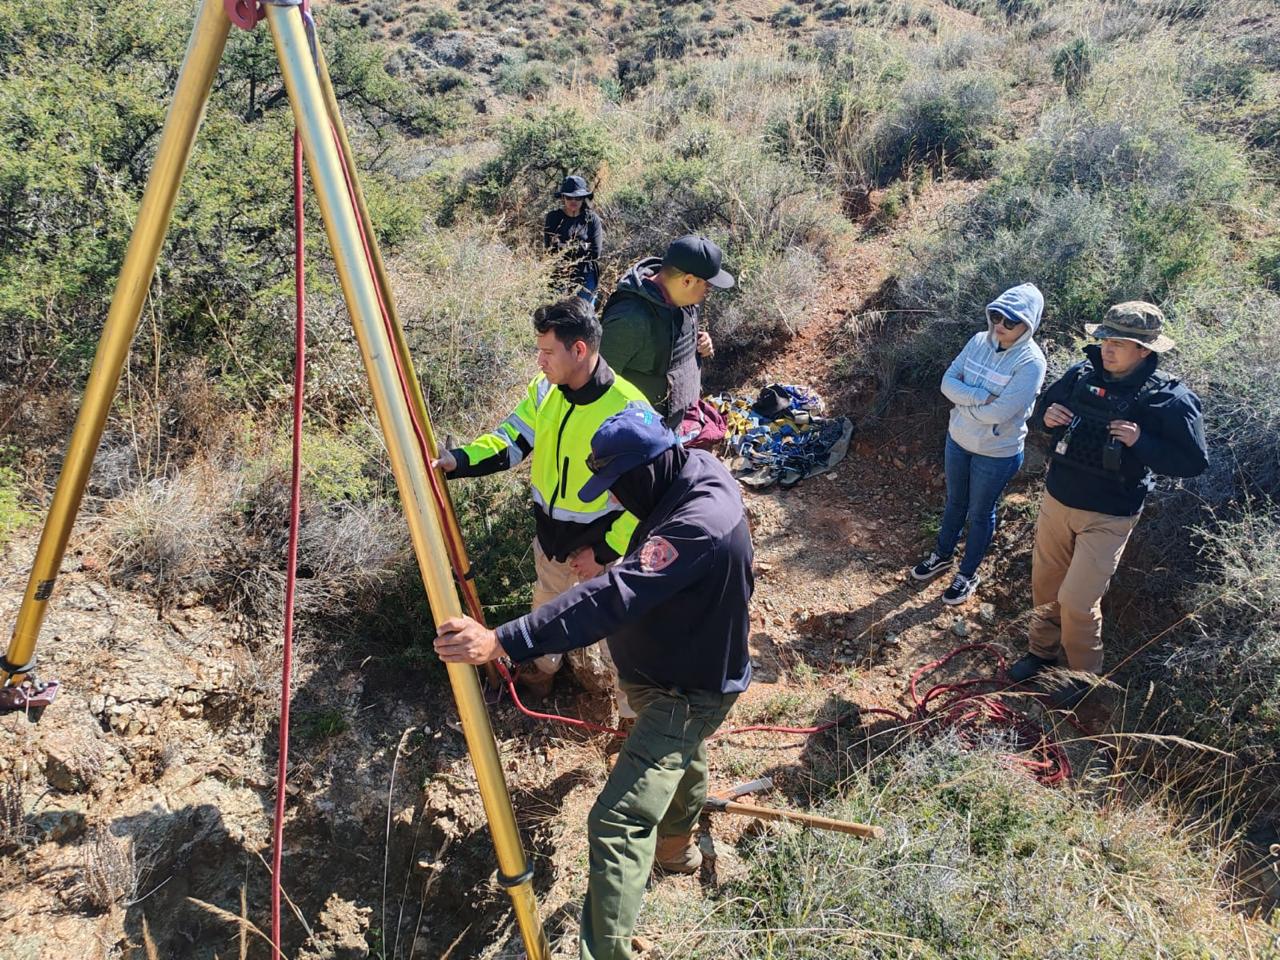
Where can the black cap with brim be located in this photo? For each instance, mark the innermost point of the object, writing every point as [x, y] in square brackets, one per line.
[700, 257]
[575, 188]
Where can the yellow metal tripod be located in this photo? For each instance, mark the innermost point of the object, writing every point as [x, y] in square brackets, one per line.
[362, 278]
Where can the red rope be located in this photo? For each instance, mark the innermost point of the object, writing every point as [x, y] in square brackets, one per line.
[962, 707]
[295, 511]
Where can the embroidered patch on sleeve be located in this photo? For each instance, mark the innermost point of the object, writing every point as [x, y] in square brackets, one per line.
[657, 554]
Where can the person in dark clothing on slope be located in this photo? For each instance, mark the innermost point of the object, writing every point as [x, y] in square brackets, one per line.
[651, 324]
[1114, 422]
[574, 231]
[675, 612]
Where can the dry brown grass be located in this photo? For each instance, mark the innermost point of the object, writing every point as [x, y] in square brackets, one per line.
[14, 831]
[164, 535]
[110, 871]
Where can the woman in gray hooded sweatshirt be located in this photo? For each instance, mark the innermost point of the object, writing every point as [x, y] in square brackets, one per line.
[993, 385]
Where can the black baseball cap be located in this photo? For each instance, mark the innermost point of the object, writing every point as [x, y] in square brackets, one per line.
[700, 257]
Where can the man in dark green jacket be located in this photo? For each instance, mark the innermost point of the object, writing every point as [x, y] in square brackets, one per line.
[651, 324]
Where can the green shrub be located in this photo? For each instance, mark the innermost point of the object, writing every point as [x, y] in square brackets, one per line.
[670, 35]
[320, 724]
[13, 513]
[788, 16]
[1222, 78]
[525, 79]
[895, 201]
[1266, 265]
[829, 127]
[335, 467]
[940, 121]
[1021, 9]
[1072, 64]
[776, 301]
[1228, 663]
[427, 23]
[536, 151]
[1009, 10]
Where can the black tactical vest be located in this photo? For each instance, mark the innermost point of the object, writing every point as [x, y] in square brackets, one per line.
[1086, 443]
[684, 379]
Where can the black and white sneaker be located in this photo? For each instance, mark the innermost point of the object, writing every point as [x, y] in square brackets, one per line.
[961, 589]
[930, 566]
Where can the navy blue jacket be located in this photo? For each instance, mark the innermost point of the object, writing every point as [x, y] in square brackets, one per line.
[1171, 442]
[675, 607]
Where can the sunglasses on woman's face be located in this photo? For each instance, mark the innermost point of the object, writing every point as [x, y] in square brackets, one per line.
[1008, 324]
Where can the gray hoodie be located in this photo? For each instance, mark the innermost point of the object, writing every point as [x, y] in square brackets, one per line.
[994, 390]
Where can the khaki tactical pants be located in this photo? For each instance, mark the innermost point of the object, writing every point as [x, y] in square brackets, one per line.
[591, 665]
[657, 788]
[1076, 554]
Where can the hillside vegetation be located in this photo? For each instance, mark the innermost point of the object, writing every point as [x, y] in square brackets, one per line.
[1103, 150]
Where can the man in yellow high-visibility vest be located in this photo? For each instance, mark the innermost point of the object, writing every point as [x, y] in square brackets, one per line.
[553, 425]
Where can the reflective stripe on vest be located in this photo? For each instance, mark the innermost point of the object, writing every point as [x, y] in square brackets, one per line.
[571, 515]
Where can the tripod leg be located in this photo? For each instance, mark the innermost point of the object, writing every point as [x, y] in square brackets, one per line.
[450, 518]
[342, 224]
[185, 113]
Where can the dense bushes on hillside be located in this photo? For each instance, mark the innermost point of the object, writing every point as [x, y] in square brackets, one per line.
[183, 518]
[70, 192]
[1096, 208]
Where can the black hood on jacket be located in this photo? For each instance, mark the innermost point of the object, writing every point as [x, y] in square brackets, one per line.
[636, 280]
[601, 380]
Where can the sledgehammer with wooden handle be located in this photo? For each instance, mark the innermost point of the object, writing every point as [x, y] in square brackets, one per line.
[725, 802]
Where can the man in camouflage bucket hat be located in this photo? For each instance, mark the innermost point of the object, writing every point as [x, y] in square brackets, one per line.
[1136, 321]
[1114, 422]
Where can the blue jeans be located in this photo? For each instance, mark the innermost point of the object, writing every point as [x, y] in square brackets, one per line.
[974, 485]
[590, 283]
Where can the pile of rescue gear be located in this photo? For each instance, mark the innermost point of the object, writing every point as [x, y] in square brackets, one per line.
[781, 436]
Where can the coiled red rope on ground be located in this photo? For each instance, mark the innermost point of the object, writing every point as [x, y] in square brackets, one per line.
[963, 707]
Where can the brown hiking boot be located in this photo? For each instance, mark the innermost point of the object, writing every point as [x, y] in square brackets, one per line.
[535, 685]
[678, 854]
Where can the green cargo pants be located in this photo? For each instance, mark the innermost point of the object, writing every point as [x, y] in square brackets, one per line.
[656, 789]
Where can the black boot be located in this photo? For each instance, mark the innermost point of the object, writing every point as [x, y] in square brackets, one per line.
[1027, 666]
[1069, 697]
